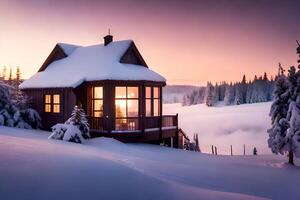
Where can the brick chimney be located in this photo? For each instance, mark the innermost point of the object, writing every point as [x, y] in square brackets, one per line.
[108, 39]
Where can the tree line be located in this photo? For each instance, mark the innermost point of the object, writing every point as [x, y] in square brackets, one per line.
[260, 89]
[10, 78]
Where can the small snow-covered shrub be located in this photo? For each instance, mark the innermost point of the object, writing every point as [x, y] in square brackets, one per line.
[58, 131]
[73, 134]
[75, 129]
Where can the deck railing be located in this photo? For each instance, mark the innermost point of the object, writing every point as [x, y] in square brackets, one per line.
[132, 123]
[96, 123]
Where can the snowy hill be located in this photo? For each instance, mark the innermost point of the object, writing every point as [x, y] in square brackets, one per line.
[226, 125]
[33, 167]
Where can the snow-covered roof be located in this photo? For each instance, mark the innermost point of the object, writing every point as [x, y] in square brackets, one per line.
[90, 63]
[68, 48]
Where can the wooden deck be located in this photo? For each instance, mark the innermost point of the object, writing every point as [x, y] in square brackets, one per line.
[157, 130]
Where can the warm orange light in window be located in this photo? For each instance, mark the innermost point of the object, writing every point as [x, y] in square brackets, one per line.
[56, 98]
[120, 108]
[56, 108]
[47, 98]
[120, 92]
[47, 103]
[47, 107]
[98, 92]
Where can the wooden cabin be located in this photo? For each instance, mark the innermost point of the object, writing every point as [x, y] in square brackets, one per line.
[113, 84]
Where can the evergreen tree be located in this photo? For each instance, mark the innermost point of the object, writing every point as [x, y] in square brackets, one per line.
[185, 100]
[265, 78]
[293, 134]
[75, 129]
[229, 94]
[278, 114]
[238, 94]
[4, 73]
[78, 118]
[285, 131]
[18, 76]
[10, 79]
[210, 95]
[249, 93]
[293, 116]
[14, 115]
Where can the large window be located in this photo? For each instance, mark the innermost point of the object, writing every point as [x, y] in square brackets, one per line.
[152, 101]
[97, 101]
[52, 103]
[126, 106]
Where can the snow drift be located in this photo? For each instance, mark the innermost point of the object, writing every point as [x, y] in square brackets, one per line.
[33, 167]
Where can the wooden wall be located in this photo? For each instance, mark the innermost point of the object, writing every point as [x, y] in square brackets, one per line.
[67, 103]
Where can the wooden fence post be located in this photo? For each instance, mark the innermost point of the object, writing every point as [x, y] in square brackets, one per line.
[244, 149]
[216, 152]
[230, 149]
[212, 149]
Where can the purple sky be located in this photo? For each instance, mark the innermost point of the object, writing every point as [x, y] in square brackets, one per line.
[186, 41]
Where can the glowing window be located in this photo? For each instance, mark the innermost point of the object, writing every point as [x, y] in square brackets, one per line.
[126, 108]
[56, 103]
[152, 101]
[47, 103]
[97, 101]
[120, 92]
[52, 103]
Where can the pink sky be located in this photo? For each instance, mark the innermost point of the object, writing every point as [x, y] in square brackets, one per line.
[188, 43]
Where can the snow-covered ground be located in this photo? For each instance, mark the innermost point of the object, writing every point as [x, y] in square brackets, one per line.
[33, 167]
[226, 125]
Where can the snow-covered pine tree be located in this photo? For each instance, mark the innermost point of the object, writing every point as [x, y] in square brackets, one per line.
[12, 114]
[4, 73]
[7, 109]
[216, 93]
[229, 94]
[209, 95]
[293, 134]
[238, 99]
[278, 113]
[293, 116]
[75, 129]
[18, 76]
[185, 101]
[249, 92]
[222, 89]
[78, 118]
[10, 79]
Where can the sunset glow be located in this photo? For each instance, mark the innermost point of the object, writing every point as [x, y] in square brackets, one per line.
[187, 42]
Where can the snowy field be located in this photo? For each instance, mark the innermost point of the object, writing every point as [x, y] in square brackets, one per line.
[33, 167]
[226, 125]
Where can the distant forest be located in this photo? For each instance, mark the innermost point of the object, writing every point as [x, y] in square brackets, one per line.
[11, 78]
[260, 89]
